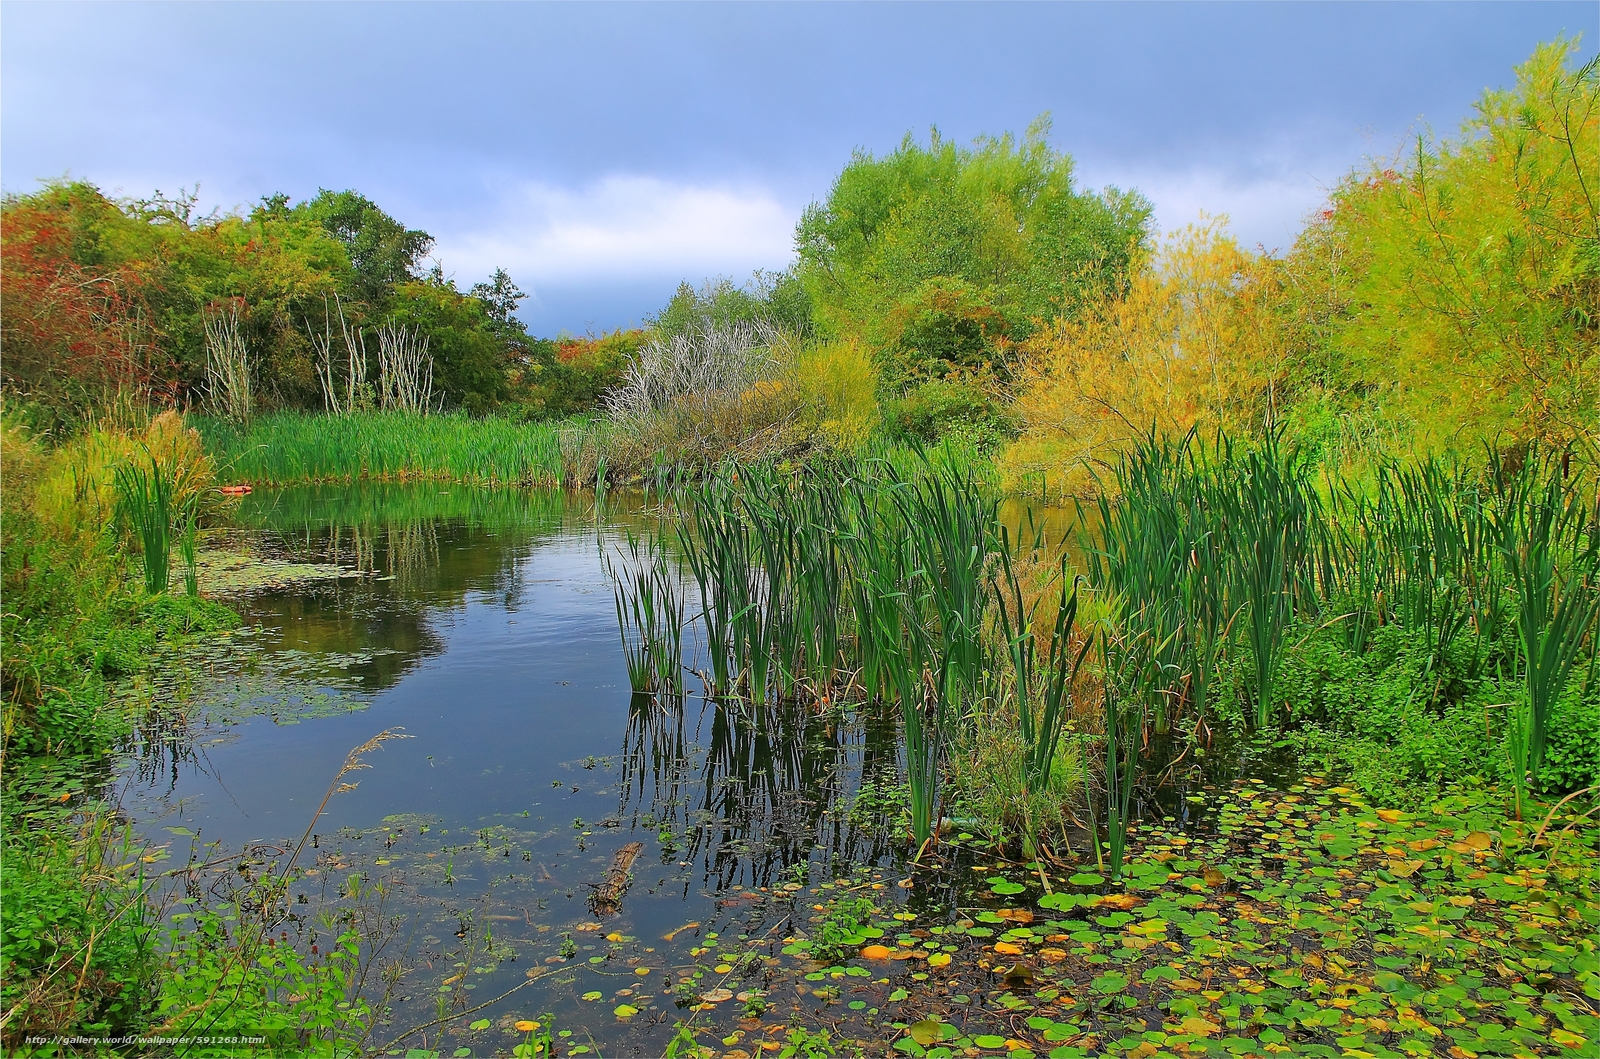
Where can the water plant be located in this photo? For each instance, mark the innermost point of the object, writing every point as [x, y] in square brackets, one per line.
[1553, 559]
[1050, 685]
[145, 504]
[187, 549]
[648, 588]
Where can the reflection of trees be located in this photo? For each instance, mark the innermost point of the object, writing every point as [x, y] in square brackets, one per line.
[774, 783]
[418, 547]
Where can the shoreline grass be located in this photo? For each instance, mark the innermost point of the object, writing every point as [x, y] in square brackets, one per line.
[295, 447]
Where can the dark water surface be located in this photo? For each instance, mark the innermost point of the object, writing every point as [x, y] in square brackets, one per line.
[482, 624]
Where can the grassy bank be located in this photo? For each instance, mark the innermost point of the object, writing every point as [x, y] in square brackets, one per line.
[86, 942]
[298, 448]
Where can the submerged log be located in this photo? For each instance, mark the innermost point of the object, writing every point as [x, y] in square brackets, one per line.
[607, 896]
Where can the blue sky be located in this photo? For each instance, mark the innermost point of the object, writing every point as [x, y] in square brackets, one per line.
[603, 152]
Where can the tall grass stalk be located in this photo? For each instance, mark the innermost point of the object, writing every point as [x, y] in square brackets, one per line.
[187, 548]
[1043, 690]
[294, 448]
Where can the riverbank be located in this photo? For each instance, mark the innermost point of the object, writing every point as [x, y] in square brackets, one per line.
[93, 945]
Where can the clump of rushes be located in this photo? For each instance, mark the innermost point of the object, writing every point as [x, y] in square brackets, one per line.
[648, 588]
[144, 503]
[1043, 694]
[1553, 560]
[294, 447]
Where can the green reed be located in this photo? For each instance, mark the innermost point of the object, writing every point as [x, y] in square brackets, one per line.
[1043, 688]
[648, 592]
[187, 548]
[145, 504]
[1202, 544]
[296, 447]
[1552, 557]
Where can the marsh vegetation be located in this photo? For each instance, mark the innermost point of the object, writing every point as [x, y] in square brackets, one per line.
[1003, 631]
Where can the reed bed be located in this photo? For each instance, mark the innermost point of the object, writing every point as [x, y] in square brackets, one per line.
[891, 583]
[845, 583]
[1214, 557]
[293, 447]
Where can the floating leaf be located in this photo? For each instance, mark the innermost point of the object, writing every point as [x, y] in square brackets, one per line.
[1476, 842]
[628, 1011]
[939, 959]
[1085, 879]
[875, 952]
[989, 1040]
[593, 995]
[926, 1032]
[1197, 1026]
[1006, 948]
[717, 996]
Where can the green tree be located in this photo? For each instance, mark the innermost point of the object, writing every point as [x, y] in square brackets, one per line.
[1456, 292]
[1002, 218]
[383, 252]
[470, 356]
[777, 298]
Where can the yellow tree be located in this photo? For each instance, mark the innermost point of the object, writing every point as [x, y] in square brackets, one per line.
[1194, 341]
[1461, 293]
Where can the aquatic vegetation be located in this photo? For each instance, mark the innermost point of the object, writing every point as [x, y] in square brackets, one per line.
[144, 502]
[293, 447]
[650, 614]
[1552, 560]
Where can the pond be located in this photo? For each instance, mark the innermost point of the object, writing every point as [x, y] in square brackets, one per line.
[482, 627]
[774, 906]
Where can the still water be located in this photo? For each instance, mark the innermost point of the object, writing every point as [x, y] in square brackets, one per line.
[481, 626]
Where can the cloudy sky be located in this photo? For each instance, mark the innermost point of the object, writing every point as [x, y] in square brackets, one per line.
[602, 152]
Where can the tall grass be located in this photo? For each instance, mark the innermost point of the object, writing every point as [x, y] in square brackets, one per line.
[837, 581]
[1041, 688]
[295, 447]
[145, 505]
[648, 587]
[1552, 559]
[1215, 555]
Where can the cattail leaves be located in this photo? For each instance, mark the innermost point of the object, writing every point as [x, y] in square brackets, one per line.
[145, 505]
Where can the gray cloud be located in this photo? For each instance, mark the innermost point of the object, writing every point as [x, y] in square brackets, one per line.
[604, 151]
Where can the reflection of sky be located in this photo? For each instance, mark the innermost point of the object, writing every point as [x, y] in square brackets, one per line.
[603, 152]
[497, 651]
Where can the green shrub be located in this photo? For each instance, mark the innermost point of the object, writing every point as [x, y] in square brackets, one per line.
[76, 945]
[961, 405]
[218, 982]
[1572, 755]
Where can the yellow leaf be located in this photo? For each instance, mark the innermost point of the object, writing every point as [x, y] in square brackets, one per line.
[939, 959]
[1005, 948]
[1404, 868]
[1196, 1026]
[1474, 843]
[1389, 816]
